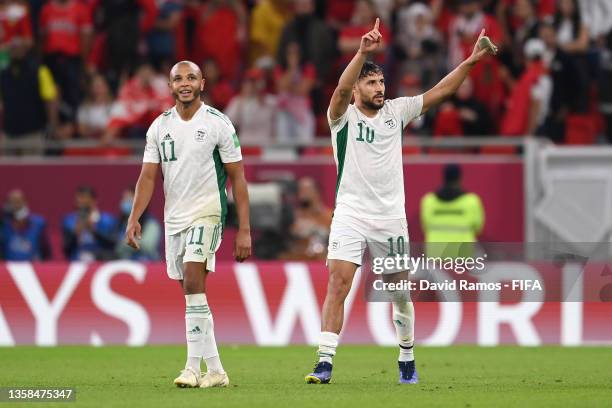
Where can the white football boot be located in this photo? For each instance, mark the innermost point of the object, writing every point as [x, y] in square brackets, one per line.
[189, 378]
[214, 379]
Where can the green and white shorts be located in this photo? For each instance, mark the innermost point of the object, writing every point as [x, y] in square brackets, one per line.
[198, 243]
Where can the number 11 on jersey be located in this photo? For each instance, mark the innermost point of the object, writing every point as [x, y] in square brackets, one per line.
[172, 155]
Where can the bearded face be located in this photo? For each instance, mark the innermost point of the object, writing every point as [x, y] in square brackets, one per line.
[370, 91]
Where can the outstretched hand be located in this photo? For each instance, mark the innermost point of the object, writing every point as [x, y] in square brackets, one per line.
[371, 40]
[481, 49]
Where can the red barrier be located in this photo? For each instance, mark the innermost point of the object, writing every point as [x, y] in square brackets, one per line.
[273, 303]
[50, 190]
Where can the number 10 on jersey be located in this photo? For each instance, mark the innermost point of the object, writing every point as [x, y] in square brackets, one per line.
[369, 133]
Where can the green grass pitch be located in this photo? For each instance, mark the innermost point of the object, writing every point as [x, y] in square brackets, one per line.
[364, 376]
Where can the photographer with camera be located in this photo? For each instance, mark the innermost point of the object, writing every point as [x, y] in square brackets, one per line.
[89, 234]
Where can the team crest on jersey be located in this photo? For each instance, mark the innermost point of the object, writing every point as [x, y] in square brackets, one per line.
[200, 135]
[391, 123]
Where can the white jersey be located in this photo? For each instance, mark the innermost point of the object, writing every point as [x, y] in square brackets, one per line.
[368, 154]
[191, 154]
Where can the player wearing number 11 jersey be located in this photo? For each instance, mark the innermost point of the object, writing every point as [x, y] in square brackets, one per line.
[367, 141]
[196, 147]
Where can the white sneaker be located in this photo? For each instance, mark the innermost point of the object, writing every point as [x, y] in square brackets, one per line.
[189, 378]
[214, 379]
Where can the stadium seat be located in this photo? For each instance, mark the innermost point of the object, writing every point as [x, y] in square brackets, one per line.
[580, 129]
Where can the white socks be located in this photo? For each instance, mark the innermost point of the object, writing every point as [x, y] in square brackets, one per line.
[328, 341]
[200, 334]
[403, 319]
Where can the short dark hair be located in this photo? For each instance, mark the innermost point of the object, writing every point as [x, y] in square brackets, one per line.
[452, 173]
[370, 68]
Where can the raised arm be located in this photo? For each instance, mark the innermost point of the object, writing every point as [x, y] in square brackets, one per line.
[451, 82]
[341, 98]
[242, 246]
[142, 197]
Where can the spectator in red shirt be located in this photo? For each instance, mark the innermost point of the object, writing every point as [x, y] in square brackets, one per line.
[362, 22]
[465, 28]
[14, 24]
[528, 103]
[66, 30]
[141, 99]
[219, 32]
[218, 91]
[338, 13]
[487, 78]
[294, 81]
[463, 115]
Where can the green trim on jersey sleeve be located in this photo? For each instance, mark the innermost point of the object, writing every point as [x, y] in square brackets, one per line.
[236, 140]
[220, 115]
[341, 139]
[221, 181]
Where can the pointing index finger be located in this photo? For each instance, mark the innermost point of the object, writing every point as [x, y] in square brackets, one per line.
[377, 23]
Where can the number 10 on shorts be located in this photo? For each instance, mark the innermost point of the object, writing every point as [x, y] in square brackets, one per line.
[400, 246]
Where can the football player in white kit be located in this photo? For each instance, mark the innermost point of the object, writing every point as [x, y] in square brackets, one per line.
[197, 148]
[367, 141]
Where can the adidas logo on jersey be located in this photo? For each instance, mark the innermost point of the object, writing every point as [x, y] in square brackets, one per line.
[167, 137]
[198, 251]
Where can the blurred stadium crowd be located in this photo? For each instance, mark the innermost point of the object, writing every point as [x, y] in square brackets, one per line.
[96, 70]
[300, 230]
[88, 233]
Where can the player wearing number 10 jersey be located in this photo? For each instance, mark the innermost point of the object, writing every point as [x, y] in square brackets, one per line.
[367, 141]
